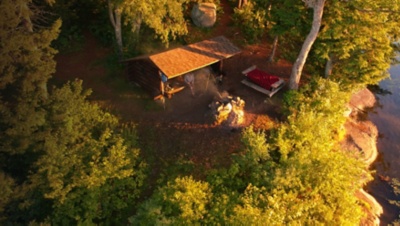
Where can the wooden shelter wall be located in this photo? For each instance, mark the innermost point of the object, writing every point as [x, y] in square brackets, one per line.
[217, 67]
[144, 73]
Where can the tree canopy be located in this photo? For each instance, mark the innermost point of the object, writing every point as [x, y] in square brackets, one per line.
[65, 160]
[165, 17]
[61, 156]
[354, 43]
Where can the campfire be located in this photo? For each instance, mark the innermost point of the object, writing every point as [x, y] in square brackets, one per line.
[227, 110]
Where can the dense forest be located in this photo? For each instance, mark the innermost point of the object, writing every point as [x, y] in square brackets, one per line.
[64, 160]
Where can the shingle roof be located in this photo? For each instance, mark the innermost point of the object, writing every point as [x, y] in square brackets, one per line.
[184, 59]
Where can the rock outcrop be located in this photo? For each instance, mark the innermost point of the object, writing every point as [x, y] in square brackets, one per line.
[204, 14]
[362, 100]
[361, 137]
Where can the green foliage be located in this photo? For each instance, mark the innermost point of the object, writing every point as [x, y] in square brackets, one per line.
[315, 172]
[167, 19]
[322, 185]
[26, 65]
[164, 17]
[290, 20]
[70, 39]
[395, 183]
[100, 27]
[65, 161]
[316, 115]
[252, 165]
[81, 166]
[181, 202]
[251, 20]
[7, 186]
[179, 168]
[317, 191]
[79, 17]
[99, 171]
[88, 168]
[310, 181]
[358, 37]
[78, 129]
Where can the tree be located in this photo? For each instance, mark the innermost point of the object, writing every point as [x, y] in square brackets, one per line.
[287, 22]
[83, 152]
[271, 57]
[241, 3]
[180, 202]
[351, 35]
[26, 65]
[299, 175]
[318, 9]
[317, 189]
[7, 186]
[252, 20]
[87, 167]
[163, 16]
[60, 154]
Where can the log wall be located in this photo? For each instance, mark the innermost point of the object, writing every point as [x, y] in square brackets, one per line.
[144, 73]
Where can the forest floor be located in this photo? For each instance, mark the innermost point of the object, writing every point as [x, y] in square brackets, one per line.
[180, 129]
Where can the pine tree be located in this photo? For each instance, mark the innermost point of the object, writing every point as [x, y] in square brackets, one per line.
[60, 154]
[26, 65]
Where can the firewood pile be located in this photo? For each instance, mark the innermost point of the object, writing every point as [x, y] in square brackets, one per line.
[228, 110]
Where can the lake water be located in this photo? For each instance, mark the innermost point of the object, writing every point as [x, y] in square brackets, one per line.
[386, 116]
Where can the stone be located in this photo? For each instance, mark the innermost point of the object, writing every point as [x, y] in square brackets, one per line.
[204, 14]
[361, 138]
[362, 100]
[361, 135]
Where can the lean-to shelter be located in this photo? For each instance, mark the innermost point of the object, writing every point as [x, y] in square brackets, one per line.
[147, 71]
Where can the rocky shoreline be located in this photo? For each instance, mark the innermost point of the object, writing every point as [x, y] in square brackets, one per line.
[361, 137]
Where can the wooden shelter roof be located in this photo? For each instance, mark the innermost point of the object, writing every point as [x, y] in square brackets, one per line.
[188, 58]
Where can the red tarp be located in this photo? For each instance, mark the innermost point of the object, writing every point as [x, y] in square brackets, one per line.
[262, 78]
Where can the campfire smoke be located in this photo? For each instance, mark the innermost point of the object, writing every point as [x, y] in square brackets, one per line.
[205, 82]
[228, 110]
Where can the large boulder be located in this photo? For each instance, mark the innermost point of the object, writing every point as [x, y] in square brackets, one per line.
[204, 14]
[361, 138]
[361, 134]
[359, 102]
[362, 100]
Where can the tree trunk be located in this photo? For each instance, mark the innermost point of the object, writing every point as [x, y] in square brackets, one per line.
[241, 3]
[318, 7]
[136, 25]
[274, 46]
[118, 32]
[114, 12]
[25, 14]
[328, 66]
